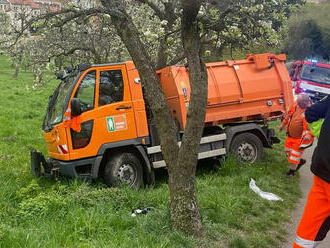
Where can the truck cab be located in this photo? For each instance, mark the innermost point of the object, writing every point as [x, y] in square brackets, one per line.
[311, 77]
[105, 108]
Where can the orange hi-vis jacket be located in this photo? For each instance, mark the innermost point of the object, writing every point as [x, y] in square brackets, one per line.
[295, 122]
[315, 222]
[72, 122]
[298, 134]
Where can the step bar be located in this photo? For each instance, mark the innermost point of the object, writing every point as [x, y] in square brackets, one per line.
[201, 155]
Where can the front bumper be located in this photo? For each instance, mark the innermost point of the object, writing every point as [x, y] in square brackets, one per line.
[82, 168]
[316, 93]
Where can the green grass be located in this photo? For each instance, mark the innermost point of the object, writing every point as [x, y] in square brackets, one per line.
[68, 213]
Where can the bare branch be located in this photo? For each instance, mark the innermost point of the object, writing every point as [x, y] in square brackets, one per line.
[177, 59]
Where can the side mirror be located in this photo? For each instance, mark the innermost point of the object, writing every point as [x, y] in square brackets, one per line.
[75, 107]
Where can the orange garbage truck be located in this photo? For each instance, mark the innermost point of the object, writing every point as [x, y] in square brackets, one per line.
[98, 123]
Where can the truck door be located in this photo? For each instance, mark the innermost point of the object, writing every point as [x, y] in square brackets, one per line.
[108, 114]
[79, 142]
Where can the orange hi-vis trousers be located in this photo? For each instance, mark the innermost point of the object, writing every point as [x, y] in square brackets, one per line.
[291, 149]
[315, 222]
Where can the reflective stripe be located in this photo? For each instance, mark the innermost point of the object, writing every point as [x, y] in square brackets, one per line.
[59, 150]
[305, 146]
[65, 148]
[294, 158]
[306, 243]
[67, 115]
[293, 166]
[296, 153]
[292, 162]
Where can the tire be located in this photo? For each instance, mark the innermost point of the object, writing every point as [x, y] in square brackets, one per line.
[123, 168]
[247, 148]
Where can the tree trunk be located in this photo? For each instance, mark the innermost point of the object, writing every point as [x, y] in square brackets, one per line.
[162, 53]
[18, 66]
[181, 162]
[184, 207]
[12, 61]
[165, 124]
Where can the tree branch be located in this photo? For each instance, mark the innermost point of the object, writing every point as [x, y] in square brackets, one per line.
[155, 8]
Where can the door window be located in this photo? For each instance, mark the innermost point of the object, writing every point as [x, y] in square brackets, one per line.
[82, 139]
[111, 87]
[86, 91]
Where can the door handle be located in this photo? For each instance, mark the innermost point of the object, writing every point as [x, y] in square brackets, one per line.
[123, 107]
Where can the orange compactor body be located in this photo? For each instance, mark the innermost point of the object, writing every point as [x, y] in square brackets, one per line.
[253, 89]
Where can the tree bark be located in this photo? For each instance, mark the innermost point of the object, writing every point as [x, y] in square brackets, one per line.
[18, 66]
[162, 53]
[181, 162]
[184, 206]
[165, 124]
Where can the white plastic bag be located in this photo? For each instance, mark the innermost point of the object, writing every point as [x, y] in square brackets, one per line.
[266, 195]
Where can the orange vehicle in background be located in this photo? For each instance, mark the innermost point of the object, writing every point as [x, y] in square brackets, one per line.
[98, 124]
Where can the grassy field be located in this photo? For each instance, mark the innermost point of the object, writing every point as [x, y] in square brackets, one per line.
[68, 213]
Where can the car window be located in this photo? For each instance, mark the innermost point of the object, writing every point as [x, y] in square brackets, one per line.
[111, 88]
[86, 91]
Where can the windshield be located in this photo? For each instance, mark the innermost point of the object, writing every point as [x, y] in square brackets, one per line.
[57, 103]
[316, 74]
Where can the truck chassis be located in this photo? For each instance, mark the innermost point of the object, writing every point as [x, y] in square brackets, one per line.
[251, 139]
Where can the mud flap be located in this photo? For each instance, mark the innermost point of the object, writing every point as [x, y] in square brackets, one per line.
[39, 165]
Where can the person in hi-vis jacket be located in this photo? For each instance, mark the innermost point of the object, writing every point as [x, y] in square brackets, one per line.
[298, 137]
[315, 222]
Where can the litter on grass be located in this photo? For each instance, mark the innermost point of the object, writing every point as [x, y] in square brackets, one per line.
[266, 195]
[140, 211]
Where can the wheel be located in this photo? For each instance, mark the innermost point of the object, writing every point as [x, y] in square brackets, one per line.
[123, 168]
[247, 147]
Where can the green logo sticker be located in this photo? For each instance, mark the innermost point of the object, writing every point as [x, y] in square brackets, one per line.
[116, 123]
[111, 124]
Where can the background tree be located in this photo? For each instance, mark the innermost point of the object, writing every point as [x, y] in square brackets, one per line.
[304, 39]
[309, 32]
[5, 30]
[226, 26]
[19, 35]
[198, 17]
[88, 39]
